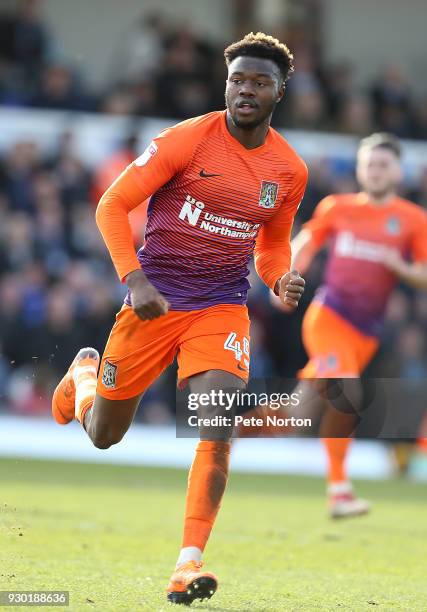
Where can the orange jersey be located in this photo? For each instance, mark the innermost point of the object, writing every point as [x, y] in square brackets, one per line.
[213, 203]
[357, 284]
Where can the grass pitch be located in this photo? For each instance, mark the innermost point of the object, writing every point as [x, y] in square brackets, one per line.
[110, 536]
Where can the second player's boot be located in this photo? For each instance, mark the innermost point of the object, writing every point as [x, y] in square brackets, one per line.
[343, 503]
[63, 400]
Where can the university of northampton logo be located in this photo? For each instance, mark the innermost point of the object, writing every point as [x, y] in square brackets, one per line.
[268, 194]
[393, 226]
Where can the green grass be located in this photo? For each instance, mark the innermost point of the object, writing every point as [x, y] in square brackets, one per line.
[110, 536]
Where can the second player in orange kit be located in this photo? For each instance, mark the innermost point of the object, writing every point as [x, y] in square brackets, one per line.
[375, 239]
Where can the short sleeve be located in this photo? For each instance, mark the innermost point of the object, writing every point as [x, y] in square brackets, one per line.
[322, 223]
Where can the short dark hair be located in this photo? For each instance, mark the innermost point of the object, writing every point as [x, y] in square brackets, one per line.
[382, 140]
[264, 46]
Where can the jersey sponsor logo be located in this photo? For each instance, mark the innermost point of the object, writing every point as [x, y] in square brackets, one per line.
[192, 210]
[347, 245]
[204, 174]
[109, 375]
[393, 226]
[149, 152]
[268, 194]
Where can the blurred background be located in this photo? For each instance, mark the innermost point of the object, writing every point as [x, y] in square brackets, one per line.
[84, 86]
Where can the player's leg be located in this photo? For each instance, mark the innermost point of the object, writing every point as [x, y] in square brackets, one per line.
[225, 357]
[336, 351]
[135, 355]
[206, 485]
[105, 421]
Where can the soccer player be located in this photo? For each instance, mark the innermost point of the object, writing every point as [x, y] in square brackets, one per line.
[371, 236]
[222, 186]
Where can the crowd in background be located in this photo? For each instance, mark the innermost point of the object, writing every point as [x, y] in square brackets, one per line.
[170, 71]
[58, 289]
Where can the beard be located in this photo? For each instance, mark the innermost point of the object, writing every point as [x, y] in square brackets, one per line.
[249, 124]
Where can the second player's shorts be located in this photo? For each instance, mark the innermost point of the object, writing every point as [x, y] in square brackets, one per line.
[336, 349]
[137, 352]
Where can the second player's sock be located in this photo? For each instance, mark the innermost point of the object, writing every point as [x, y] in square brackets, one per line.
[85, 378]
[337, 449]
[206, 484]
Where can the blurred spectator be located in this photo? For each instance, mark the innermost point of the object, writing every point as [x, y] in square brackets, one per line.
[391, 96]
[143, 49]
[183, 80]
[17, 248]
[419, 192]
[110, 169]
[24, 49]
[355, 116]
[19, 168]
[339, 86]
[60, 89]
[73, 179]
[120, 101]
[308, 110]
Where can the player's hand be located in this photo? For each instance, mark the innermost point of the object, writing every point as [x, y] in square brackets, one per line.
[393, 260]
[147, 302]
[290, 288]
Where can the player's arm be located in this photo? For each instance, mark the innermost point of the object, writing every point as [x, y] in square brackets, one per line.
[141, 179]
[413, 273]
[303, 250]
[273, 248]
[310, 239]
[313, 234]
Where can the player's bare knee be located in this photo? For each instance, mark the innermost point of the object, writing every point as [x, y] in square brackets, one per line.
[107, 439]
[101, 443]
[344, 394]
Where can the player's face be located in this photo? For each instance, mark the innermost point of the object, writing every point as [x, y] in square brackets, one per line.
[378, 171]
[253, 88]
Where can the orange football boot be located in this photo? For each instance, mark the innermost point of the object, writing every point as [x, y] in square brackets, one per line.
[188, 583]
[63, 409]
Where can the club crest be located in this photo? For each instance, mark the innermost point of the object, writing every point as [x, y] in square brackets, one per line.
[109, 375]
[393, 226]
[268, 194]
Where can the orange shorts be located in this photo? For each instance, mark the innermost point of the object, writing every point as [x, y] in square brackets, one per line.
[336, 349]
[137, 352]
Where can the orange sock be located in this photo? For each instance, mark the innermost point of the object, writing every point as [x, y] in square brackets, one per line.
[336, 449]
[206, 484]
[85, 378]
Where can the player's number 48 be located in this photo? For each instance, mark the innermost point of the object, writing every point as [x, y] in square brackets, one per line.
[231, 344]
